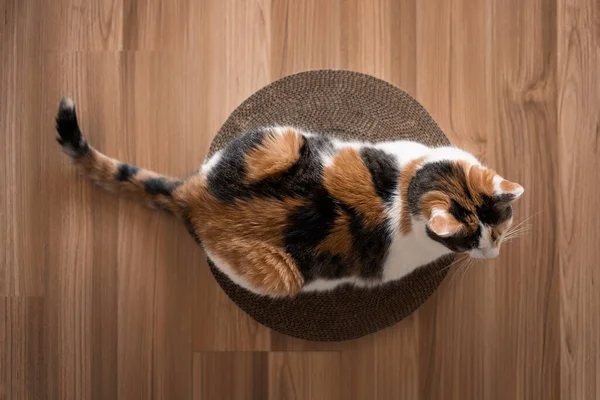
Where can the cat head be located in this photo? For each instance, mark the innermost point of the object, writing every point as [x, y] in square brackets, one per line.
[468, 207]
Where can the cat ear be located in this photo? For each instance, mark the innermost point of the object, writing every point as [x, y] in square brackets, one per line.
[443, 224]
[506, 190]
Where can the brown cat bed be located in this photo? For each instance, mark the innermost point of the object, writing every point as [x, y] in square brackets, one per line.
[351, 106]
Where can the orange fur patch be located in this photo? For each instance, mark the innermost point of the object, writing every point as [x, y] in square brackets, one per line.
[266, 267]
[348, 179]
[432, 200]
[444, 224]
[276, 154]
[406, 175]
[440, 201]
[339, 240]
[99, 168]
[479, 181]
[246, 234]
[508, 186]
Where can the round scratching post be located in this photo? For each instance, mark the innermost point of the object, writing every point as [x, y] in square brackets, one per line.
[351, 106]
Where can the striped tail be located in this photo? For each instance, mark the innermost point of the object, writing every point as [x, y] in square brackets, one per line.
[153, 189]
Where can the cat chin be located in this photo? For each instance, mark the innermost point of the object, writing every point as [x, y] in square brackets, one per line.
[484, 254]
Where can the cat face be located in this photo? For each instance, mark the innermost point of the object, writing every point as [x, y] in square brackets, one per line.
[468, 207]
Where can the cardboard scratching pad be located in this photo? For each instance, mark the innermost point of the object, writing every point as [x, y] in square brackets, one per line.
[352, 106]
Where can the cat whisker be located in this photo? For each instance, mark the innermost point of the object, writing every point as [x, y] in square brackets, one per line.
[520, 228]
[514, 235]
[511, 239]
[521, 222]
[462, 270]
[517, 231]
[525, 228]
[469, 266]
[472, 264]
[458, 260]
[458, 265]
[520, 232]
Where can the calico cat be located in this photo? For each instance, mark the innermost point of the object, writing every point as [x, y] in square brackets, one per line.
[283, 211]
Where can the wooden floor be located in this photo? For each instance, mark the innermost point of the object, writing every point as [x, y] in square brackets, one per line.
[101, 298]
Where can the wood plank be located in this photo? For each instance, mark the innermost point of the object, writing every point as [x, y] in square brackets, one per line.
[5, 350]
[69, 240]
[156, 257]
[21, 270]
[8, 149]
[523, 335]
[306, 375]
[239, 33]
[577, 199]
[26, 324]
[231, 375]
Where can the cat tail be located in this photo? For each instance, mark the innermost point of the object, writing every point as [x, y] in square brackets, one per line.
[153, 189]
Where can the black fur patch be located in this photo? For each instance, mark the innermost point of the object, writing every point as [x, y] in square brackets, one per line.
[162, 186]
[459, 212]
[493, 212]
[370, 245]
[332, 266]
[428, 178]
[504, 198]
[227, 179]
[458, 243]
[310, 225]
[126, 172]
[384, 170]
[307, 227]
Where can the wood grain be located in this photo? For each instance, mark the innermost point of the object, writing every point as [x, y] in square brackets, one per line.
[578, 159]
[306, 375]
[101, 298]
[231, 375]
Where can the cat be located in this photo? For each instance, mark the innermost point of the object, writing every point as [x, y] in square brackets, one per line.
[283, 211]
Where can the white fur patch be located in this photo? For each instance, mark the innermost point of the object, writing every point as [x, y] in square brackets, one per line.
[408, 252]
[498, 188]
[451, 154]
[320, 285]
[404, 151]
[340, 144]
[69, 150]
[497, 181]
[211, 162]
[67, 103]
